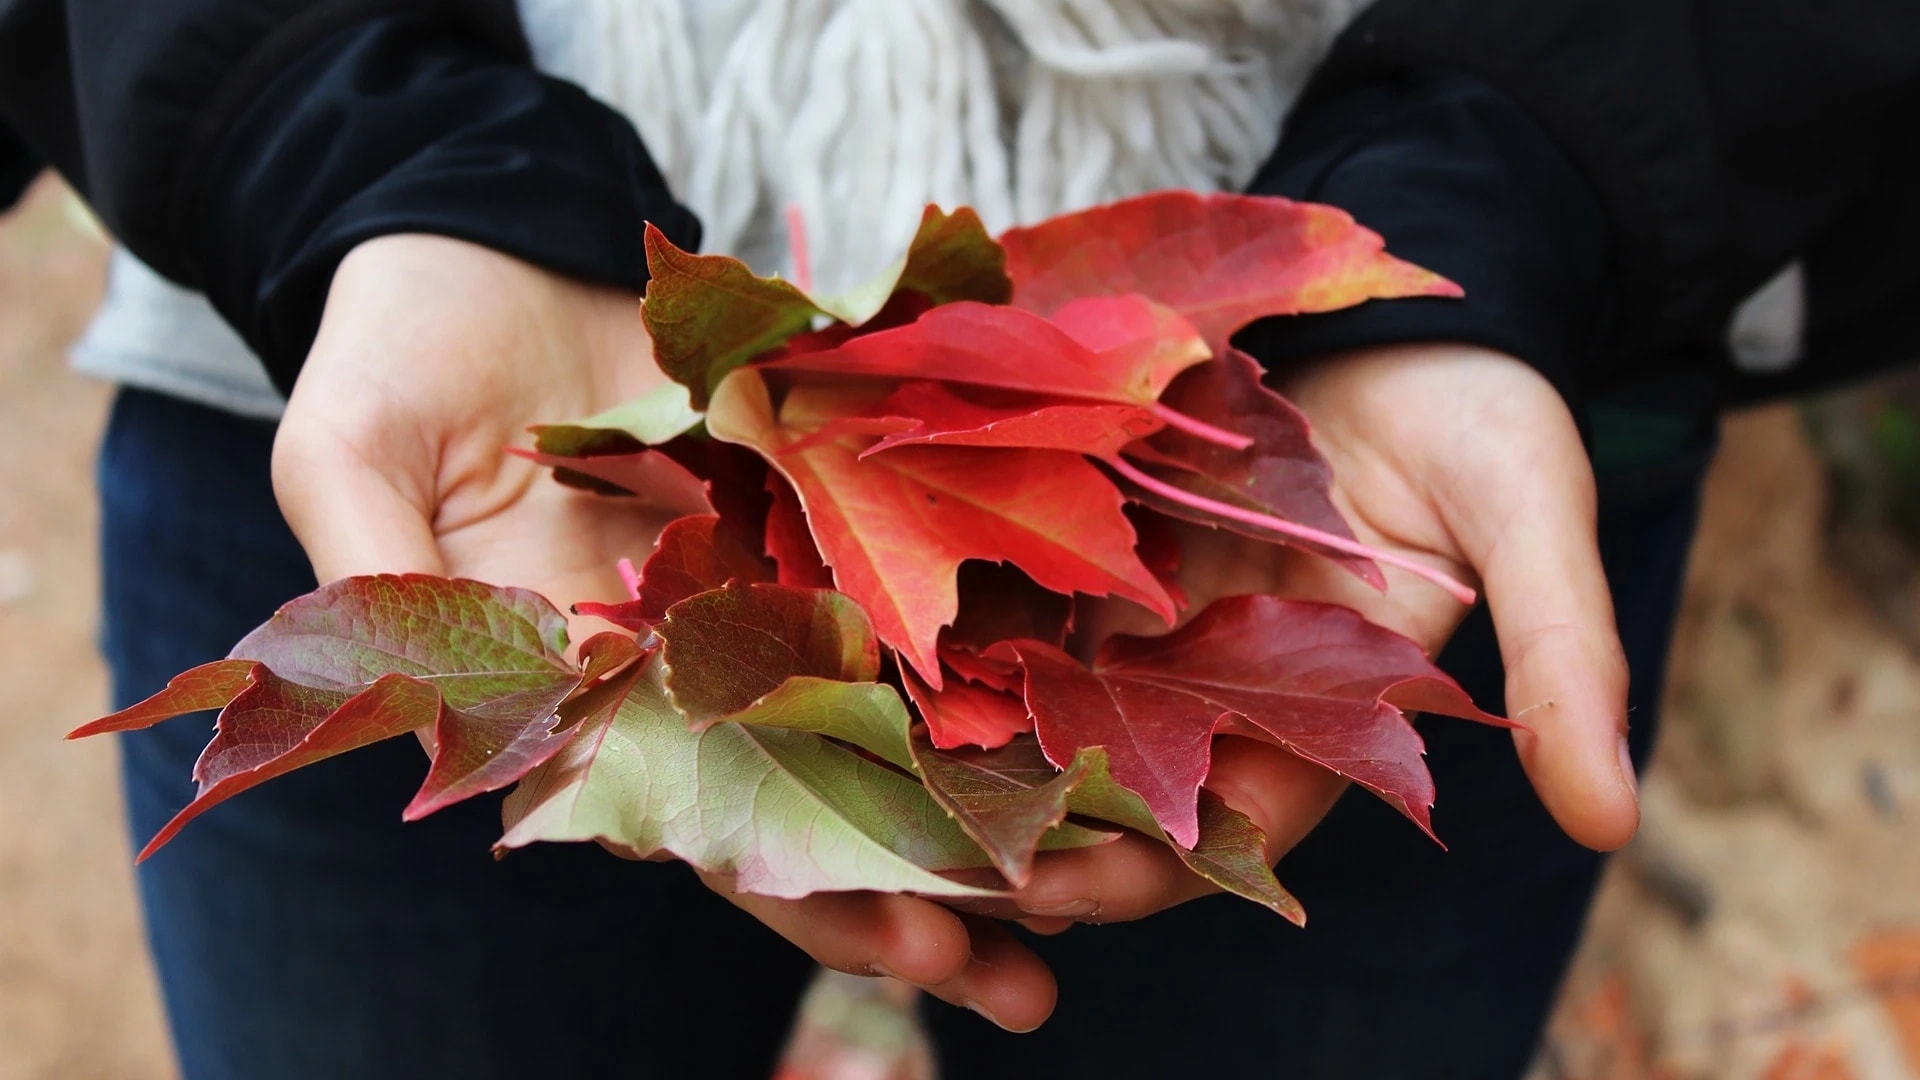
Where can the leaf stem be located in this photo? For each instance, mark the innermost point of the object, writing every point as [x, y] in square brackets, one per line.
[629, 577]
[1199, 429]
[797, 245]
[1281, 525]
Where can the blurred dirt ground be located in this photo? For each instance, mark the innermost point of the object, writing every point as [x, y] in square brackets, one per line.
[1765, 925]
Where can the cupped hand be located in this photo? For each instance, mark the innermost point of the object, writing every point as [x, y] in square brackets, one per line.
[433, 355]
[1466, 460]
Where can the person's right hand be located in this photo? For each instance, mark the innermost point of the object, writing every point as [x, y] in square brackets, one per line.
[435, 354]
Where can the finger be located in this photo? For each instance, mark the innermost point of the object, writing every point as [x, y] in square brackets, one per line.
[917, 942]
[1004, 980]
[1046, 927]
[1566, 674]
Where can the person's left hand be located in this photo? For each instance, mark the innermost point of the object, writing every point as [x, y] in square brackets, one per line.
[1469, 461]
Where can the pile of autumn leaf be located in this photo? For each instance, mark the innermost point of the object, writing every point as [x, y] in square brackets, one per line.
[846, 663]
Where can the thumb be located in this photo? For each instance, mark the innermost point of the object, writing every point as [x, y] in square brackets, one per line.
[1566, 673]
[350, 517]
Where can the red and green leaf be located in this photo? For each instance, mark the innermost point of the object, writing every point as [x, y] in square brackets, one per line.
[709, 314]
[820, 817]
[952, 258]
[652, 419]
[366, 659]
[1007, 799]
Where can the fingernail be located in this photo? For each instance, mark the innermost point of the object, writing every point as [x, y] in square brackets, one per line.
[1072, 909]
[1626, 768]
[992, 1019]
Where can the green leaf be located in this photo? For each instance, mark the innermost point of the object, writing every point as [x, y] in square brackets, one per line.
[952, 258]
[1231, 853]
[729, 647]
[784, 813]
[1009, 813]
[653, 418]
[709, 314]
[867, 714]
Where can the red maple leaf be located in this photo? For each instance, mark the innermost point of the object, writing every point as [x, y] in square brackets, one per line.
[1316, 679]
[692, 555]
[967, 713]
[895, 528]
[1221, 261]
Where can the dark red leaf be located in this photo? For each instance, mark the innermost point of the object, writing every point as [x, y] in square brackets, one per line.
[275, 726]
[1221, 260]
[1159, 548]
[1281, 474]
[1318, 680]
[789, 542]
[692, 555]
[736, 479]
[1000, 603]
[728, 648]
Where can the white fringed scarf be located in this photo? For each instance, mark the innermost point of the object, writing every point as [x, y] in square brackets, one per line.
[860, 112]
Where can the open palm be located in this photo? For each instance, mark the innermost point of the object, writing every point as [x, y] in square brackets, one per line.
[1468, 461]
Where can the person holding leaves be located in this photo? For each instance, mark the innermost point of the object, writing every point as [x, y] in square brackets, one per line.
[424, 219]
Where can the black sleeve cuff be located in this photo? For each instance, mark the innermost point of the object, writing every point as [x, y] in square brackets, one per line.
[18, 166]
[396, 126]
[1459, 180]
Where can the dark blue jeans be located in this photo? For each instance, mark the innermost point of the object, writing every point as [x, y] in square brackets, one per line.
[303, 932]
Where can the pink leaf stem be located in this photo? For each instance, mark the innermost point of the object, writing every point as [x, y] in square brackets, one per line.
[1324, 539]
[1200, 429]
[797, 242]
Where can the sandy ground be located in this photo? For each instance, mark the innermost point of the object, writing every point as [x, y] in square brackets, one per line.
[76, 991]
[1765, 925]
